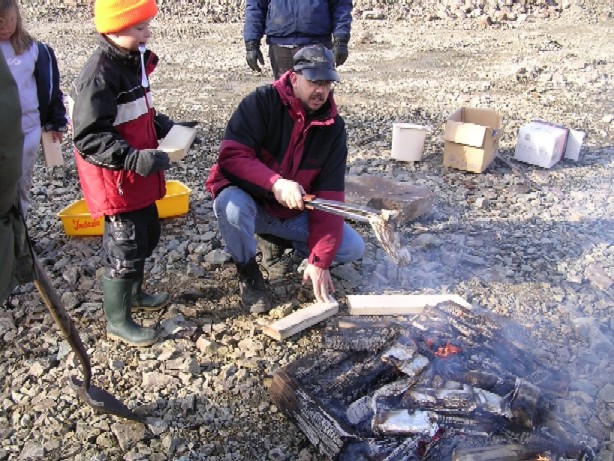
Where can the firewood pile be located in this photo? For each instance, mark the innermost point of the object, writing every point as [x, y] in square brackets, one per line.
[450, 383]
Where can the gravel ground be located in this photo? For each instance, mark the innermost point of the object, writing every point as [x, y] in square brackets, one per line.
[533, 244]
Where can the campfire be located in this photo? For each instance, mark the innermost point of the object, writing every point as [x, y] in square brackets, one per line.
[450, 384]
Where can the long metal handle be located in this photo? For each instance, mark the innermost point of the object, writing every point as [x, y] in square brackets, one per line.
[355, 212]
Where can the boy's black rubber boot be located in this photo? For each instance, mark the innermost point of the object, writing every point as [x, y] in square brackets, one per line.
[255, 295]
[116, 300]
[145, 301]
[275, 260]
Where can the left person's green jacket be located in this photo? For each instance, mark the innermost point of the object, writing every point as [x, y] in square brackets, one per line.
[16, 265]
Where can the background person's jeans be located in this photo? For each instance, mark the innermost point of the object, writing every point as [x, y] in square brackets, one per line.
[239, 218]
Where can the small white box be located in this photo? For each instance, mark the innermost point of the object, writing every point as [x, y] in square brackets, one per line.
[541, 144]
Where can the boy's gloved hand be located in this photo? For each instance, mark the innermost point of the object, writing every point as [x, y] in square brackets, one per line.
[253, 55]
[340, 50]
[147, 161]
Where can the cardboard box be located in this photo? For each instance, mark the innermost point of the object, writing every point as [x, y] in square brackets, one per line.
[177, 142]
[540, 143]
[52, 150]
[471, 139]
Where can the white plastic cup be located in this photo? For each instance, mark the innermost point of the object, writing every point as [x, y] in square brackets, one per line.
[408, 141]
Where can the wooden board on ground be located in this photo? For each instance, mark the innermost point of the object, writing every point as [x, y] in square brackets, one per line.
[398, 304]
[52, 150]
[382, 193]
[177, 142]
[301, 319]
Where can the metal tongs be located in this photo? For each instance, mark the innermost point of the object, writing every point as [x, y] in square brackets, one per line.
[347, 210]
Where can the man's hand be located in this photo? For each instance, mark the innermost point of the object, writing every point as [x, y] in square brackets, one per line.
[253, 55]
[289, 193]
[321, 281]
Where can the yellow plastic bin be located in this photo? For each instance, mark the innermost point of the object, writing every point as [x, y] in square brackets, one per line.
[176, 202]
[78, 221]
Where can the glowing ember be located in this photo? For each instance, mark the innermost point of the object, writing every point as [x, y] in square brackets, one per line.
[542, 458]
[444, 351]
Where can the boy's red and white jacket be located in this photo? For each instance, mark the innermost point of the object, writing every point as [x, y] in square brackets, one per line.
[112, 116]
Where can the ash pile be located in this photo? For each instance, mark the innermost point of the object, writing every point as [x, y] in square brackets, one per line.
[449, 384]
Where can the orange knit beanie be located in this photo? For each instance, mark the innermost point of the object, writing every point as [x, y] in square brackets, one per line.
[115, 15]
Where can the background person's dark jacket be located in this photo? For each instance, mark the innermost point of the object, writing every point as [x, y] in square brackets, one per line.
[294, 22]
[50, 97]
[16, 264]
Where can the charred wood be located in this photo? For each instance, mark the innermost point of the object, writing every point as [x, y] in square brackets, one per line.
[319, 426]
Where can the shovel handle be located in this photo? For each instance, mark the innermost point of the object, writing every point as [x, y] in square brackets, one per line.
[62, 319]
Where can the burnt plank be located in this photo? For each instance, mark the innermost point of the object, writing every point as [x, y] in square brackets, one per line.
[322, 429]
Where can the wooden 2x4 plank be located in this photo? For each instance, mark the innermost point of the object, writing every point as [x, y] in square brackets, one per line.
[301, 319]
[397, 304]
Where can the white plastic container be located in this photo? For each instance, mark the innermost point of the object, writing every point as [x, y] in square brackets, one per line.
[408, 141]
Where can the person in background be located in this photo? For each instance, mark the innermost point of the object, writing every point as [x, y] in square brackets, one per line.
[35, 69]
[289, 26]
[283, 141]
[116, 134]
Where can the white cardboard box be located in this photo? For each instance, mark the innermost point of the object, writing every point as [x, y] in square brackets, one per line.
[541, 144]
[574, 143]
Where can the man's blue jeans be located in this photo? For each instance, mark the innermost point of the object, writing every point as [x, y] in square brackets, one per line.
[239, 218]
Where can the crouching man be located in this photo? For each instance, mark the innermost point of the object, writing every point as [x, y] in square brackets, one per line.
[285, 140]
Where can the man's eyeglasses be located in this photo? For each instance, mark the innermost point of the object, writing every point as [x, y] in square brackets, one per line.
[325, 84]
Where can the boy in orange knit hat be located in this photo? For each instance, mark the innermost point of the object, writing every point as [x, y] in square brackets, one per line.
[116, 132]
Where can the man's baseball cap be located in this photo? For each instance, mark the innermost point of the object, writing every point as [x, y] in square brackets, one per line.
[316, 62]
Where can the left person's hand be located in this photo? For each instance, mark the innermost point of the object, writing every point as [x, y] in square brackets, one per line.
[321, 281]
[57, 135]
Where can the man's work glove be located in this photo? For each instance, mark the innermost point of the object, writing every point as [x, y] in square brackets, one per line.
[253, 55]
[340, 50]
[147, 161]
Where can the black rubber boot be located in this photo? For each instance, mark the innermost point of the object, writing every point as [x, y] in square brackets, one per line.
[145, 301]
[116, 299]
[255, 295]
[275, 260]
